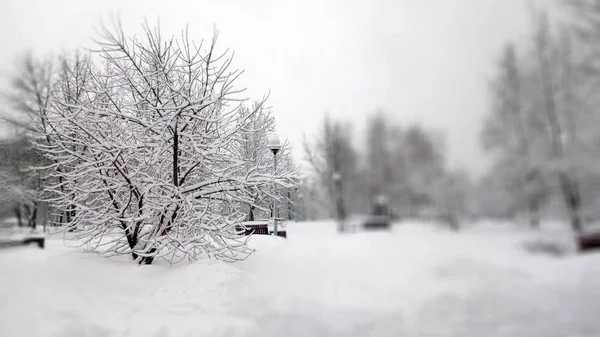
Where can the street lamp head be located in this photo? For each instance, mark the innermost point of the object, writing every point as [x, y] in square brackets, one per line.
[274, 143]
[381, 199]
[337, 177]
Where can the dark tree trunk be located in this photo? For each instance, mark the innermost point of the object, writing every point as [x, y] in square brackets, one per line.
[453, 222]
[148, 259]
[73, 212]
[534, 213]
[572, 198]
[18, 214]
[132, 241]
[61, 218]
[289, 194]
[70, 214]
[33, 217]
[164, 231]
[251, 213]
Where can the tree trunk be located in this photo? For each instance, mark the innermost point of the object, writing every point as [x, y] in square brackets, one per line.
[164, 231]
[70, 214]
[289, 194]
[132, 241]
[572, 198]
[33, 217]
[67, 215]
[534, 213]
[251, 213]
[18, 214]
[453, 223]
[73, 212]
[61, 218]
[147, 260]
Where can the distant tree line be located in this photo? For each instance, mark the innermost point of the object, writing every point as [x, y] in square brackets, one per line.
[408, 165]
[541, 129]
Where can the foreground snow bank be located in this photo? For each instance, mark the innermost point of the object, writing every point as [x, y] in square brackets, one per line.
[418, 280]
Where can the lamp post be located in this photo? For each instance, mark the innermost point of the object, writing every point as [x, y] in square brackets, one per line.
[275, 146]
[337, 180]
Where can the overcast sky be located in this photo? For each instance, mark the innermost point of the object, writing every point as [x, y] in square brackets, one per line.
[417, 60]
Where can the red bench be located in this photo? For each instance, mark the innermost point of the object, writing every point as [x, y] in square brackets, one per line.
[260, 228]
[589, 241]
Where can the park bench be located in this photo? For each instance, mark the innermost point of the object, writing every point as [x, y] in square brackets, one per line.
[377, 222]
[380, 219]
[262, 227]
[589, 239]
[11, 235]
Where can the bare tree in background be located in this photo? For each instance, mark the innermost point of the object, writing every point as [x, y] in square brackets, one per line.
[509, 131]
[35, 86]
[426, 167]
[24, 110]
[20, 188]
[451, 197]
[550, 57]
[30, 94]
[545, 117]
[332, 153]
[580, 61]
[378, 156]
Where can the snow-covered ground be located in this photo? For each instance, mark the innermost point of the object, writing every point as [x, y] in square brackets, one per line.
[415, 281]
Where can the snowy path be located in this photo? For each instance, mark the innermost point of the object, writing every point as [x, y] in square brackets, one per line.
[413, 282]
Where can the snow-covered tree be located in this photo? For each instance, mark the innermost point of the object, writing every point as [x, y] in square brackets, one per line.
[581, 76]
[26, 102]
[451, 197]
[24, 109]
[510, 132]
[15, 192]
[20, 186]
[405, 164]
[556, 93]
[378, 156]
[256, 123]
[426, 167]
[331, 153]
[144, 149]
[544, 122]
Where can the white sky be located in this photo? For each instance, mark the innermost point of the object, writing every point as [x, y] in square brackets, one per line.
[418, 60]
